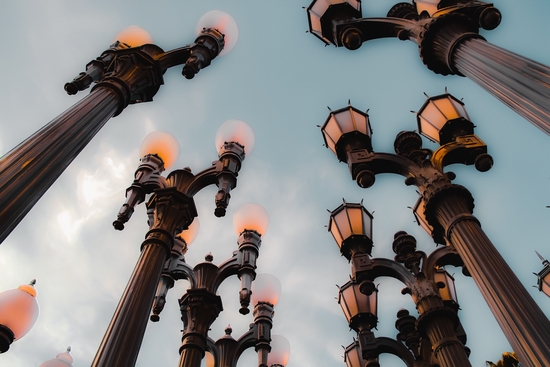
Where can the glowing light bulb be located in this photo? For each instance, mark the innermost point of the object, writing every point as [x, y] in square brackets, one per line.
[252, 217]
[162, 144]
[236, 131]
[134, 36]
[224, 23]
[19, 309]
[280, 351]
[191, 233]
[265, 288]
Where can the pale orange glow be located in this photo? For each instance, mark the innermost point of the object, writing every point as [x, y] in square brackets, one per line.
[134, 36]
[265, 288]
[191, 233]
[280, 351]
[235, 131]
[19, 310]
[162, 144]
[252, 217]
[224, 23]
[209, 359]
[428, 5]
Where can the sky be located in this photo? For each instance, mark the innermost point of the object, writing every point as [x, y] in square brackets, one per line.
[279, 79]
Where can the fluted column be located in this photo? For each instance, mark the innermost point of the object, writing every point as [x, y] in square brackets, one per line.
[520, 83]
[524, 324]
[122, 341]
[28, 170]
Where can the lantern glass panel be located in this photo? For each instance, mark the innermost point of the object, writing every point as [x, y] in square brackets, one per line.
[345, 121]
[332, 132]
[352, 356]
[350, 304]
[447, 293]
[545, 285]
[361, 123]
[335, 232]
[429, 5]
[356, 221]
[342, 222]
[447, 108]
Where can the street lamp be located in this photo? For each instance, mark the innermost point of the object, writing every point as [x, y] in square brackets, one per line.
[436, 328]
[171, 209]
[63, 359]
[18, 312]
[445, 212]
[447, 34]
[130, 71]
[543, 281]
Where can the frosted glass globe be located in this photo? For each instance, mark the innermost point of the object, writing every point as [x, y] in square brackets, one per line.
[224, 23]
[251, 216]
[235, 131]
[19, 310]
[265, 288]
[191, 233]
[280, 350]
[134, 36]
[162, 144]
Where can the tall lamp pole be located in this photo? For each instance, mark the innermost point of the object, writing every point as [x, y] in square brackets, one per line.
[171, 209]
[436, 334]
[130, 71]
[447, 34]
[444, 209]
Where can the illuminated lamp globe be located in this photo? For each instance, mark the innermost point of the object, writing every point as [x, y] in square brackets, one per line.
[134, 36]
[235, 131]
[61, 360]
[191, 233]
[210, 362]
[19, 310]
[162, 144]
[252, 217]
[265, 288]
[430, 6]
[224, 23]
[280, 351]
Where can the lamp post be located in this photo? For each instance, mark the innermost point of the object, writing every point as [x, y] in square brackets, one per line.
[201, 305]
[18, 312]
[447, 34]
[435, 333]
[170, 209]
[126, 73]
[543, 281]
[444, 209]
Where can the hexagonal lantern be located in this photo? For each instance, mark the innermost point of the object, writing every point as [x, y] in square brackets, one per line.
[351, 227]
[543, 276]
[322, 13]
[442, 118]
[347, 129]
[360, 310]
[446, 284]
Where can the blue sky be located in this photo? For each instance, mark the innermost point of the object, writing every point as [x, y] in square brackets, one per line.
[279, 79]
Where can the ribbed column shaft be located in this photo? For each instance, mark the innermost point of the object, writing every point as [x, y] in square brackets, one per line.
[122, 341]
[28, 170]
[524, 324]
[520, 83]
[450, 352]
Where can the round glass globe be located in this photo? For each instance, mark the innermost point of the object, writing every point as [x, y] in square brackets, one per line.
[162, 144]
[252, 217]
[61, 360]
[134, 36]
[236, 131]
[280, 350]
[224, 23]
[191, 233]
[265, 288]
[19, 310]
